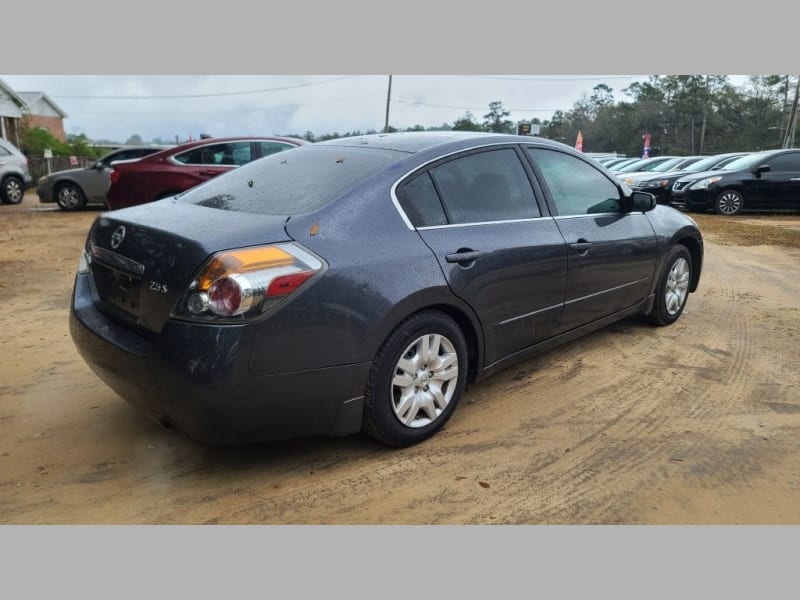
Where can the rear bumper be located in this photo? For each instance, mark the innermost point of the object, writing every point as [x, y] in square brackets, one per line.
[196, 378]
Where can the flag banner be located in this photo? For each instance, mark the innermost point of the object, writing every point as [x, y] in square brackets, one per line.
[579, 142]
[646, 152]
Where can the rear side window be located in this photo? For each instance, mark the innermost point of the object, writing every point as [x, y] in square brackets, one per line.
[485, 187]
[292, 183]
[421, 203]
[576, 187]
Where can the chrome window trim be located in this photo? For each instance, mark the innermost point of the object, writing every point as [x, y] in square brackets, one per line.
[593, 215]
[506, 221]
[402, 178]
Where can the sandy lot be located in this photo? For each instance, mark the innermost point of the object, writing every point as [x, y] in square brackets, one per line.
[694, 423]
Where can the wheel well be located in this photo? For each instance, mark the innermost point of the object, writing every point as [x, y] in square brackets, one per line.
[469, 332]
[59, 184]
[693, 246]
[8, 176]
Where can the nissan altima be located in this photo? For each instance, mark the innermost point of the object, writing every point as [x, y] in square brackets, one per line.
[362, 283]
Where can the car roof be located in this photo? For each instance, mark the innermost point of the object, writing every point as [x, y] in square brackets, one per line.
[417, 141]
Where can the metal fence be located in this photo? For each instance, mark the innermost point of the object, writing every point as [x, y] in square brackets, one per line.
[45, 166]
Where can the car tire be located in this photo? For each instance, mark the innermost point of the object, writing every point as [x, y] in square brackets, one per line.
[13, 190]
[416, 381]
[70, 197]
[672, 290]
[729, 203]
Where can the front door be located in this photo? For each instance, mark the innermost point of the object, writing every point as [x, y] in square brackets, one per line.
[611, 253]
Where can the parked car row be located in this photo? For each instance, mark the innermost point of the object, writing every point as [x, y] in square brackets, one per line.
[727, 184]
[142, 174]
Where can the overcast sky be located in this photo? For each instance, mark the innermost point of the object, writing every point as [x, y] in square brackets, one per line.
[116, 107]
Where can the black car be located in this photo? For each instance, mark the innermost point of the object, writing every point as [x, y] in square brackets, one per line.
[361, 283]
[660, 183]
[768, 180]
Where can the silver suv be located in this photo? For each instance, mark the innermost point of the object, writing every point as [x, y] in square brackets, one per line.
[14, 173]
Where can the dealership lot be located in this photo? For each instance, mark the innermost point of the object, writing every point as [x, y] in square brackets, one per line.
[693, 423]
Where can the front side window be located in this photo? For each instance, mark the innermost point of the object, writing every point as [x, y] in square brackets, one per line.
[785, 163]
[576, 187]
[484, 187]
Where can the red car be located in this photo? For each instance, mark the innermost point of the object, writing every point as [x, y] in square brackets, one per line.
[172, 171]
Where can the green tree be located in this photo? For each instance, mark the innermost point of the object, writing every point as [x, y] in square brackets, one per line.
[467, 123]
[135, 140]
[496, 120]
[35, 140]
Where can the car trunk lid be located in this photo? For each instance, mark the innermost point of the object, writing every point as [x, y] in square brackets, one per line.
[144, 258]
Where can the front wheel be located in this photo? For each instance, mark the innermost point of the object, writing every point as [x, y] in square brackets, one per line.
[673, 287]
[70, 197]
[13, 190]
[416, 380]
[729, 203]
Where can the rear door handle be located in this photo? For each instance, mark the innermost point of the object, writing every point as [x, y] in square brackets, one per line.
[463, 257]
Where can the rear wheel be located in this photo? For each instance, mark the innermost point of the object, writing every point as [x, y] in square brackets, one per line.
[416, 381]
[12, 191]
[729, 203]
[70, 197]
[673, 287]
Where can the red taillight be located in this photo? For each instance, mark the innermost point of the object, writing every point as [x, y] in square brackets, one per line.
[113, 176]
[225, 297]
[286, 284]
[247, 282]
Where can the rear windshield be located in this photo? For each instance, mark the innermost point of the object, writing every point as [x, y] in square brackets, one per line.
[293, 182]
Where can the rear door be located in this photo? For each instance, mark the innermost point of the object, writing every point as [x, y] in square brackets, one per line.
[499, 252]
[612, 254]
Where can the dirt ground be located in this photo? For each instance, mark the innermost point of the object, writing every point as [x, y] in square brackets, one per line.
[694, 423]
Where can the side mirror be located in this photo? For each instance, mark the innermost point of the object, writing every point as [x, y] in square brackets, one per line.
[642, 201]
[761, 169]
[99, 166]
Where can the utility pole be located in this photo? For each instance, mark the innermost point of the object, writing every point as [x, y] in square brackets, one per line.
[388, 99]
[788, 138]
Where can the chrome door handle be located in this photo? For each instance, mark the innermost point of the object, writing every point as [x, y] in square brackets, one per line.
[792, 179]
[582, 247]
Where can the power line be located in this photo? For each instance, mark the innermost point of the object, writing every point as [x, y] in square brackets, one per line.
[183, 96]
[476, 107]
[538, 78]
[245, 109]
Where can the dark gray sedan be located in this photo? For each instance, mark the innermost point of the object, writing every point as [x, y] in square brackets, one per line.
[73, 189]
[362, 283]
